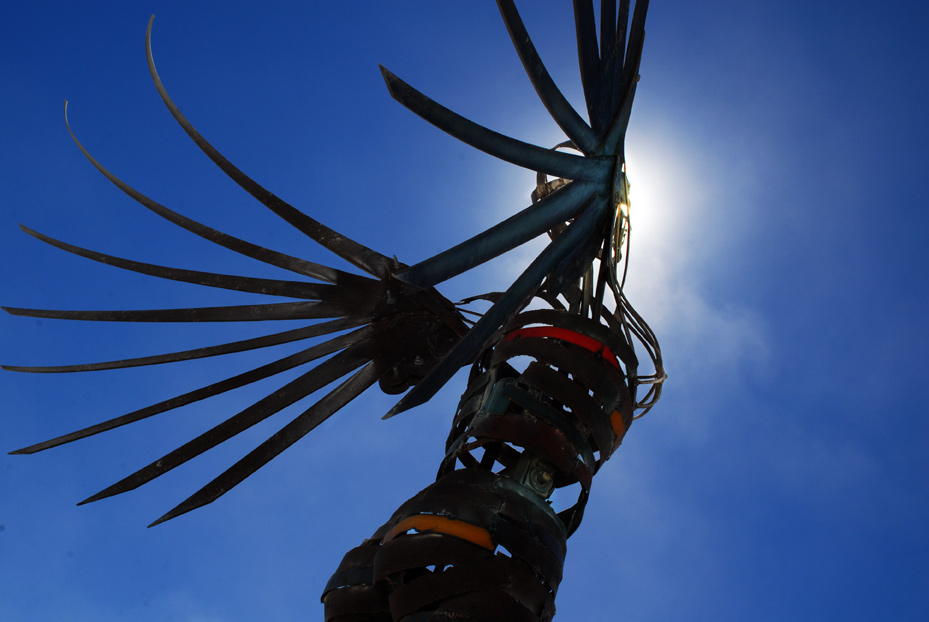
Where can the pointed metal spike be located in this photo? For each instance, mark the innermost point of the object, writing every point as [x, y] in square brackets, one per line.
[284, 438]
[326, 372]
[622, 23]
[589, 60]
[275, 339]
[608, 59]
[498, 145]
[634, 47]
[244, 313]
[271, 287]
[607, 28]
[281, 260]
[240, 380]
[357, 254]
[556, 208]
[587, 224]
[617, 133]
[562, 112]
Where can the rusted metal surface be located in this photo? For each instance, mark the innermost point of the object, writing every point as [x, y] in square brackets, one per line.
[551, 393]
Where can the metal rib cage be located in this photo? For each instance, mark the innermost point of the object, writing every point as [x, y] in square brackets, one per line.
[390, 325]
[556, 421]
[483, 542]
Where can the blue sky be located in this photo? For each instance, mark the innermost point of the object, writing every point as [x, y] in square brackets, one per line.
[777, 154]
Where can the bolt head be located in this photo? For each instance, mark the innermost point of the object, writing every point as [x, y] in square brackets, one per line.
[542, 477]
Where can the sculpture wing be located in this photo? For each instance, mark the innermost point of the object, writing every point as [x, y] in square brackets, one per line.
[390, 325]
[376, 329]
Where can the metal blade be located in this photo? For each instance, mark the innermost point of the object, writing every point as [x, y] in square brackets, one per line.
[562, 112]
[636, 37]
[620, 122]
[607, 28]
[617, 134]
[274, 258]
[607, 56]
[284, 438]
[509, 149]
[556, 208]
[240, 380]
[266, 341]
[245, 313]
[271, 287]
[617, 78]
[292, 392]
[357, 254]
[589, 60]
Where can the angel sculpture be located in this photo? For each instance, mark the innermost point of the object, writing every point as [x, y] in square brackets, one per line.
[482, 542]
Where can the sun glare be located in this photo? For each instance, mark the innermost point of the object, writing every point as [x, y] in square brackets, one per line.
[665, 198]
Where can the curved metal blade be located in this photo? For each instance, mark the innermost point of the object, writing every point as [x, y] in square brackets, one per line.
[244, 345]
[357, 254]
[620, 122]
[274, 258]
[239, 380]
[556, 208]
[619, 85]
[636, 37]
[617, 133]
[271, 287]
[284, 438]
[589, 60]
[562, 112]
[498, 145]
[607, 55]
[326, 372]
[243, 313]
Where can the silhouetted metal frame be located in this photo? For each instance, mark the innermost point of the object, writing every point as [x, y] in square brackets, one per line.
[391, 326]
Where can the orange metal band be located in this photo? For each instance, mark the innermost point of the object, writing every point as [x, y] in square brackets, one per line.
[443, 524]
[619, 426]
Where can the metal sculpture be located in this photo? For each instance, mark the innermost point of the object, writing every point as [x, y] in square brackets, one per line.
[482, 542]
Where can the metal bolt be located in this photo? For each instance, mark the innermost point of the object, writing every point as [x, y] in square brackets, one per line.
[541, 478]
